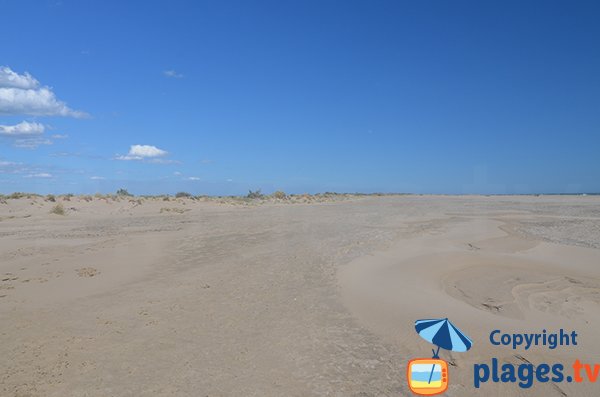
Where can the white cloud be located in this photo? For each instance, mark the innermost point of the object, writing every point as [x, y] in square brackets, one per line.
[163, 161]
[39, 175]
[39, 102]
[23, 128]
[172, 74]
[59, 136]
[23, 94]
[177, 173]
[144, 152]
[31, 143]
[6, 164]
[25, 81]
[77, 154]
[28, 135]
[97, 178]
[193, 178]
[10, 167]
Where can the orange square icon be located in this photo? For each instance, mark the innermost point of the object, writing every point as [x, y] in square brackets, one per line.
[427, 376]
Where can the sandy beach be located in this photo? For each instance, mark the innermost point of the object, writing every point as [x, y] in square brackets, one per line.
[135, 297]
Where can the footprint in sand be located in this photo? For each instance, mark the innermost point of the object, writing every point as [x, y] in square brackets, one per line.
[9, 277]
[87, 272]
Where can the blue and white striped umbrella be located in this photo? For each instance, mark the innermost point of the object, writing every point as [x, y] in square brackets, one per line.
[442, 333]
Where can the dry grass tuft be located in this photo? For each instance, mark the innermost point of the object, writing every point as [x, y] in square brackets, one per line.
[280, 195]
[58, 209]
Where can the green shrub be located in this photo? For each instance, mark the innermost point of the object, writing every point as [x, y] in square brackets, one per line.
[16, 195]
[51, 198]
[183, 195]
[123, 192]
[254, 194]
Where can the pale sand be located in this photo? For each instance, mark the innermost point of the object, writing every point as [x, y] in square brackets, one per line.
[206, 299]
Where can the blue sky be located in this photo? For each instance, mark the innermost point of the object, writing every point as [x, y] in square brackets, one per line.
[219, 97]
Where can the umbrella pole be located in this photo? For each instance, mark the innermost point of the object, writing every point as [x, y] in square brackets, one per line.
[435, 355]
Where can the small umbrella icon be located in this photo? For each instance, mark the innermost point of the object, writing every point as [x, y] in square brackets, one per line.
[442, 333]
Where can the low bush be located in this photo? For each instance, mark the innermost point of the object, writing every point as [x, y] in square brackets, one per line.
[123, 192]
[280, 195]
[16, 195]
[58, 209]
[254, 194]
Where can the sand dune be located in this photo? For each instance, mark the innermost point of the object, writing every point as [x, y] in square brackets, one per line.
[193, 298]
[484, 278]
